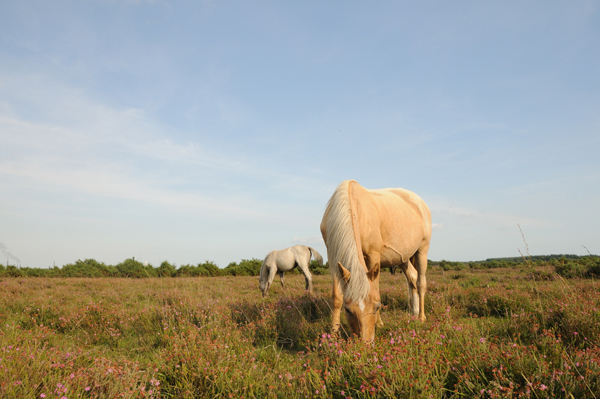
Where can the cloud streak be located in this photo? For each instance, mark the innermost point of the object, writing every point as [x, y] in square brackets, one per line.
[124, 154]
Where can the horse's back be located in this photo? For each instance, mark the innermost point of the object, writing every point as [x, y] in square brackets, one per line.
[393, 221]
[286, 259]
[402, 201]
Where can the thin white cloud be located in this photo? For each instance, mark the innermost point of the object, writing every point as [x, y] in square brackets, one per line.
[454, 215]
[124, 154]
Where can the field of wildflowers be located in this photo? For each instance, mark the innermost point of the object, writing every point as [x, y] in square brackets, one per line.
[490, 333]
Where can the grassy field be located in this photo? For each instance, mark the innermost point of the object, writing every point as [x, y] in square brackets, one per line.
[490, 333]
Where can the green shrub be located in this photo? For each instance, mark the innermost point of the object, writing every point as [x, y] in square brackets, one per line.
[593, 266]
[570, 270]
[87, 268]
[208, 268]
[13, 271]
[317, 269]
[166, 270]
[135, 269]
[247, 267]
[187, 271]
[447, 265]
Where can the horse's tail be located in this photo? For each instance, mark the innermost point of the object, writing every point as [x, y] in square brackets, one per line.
[341, 242]
[316, 255]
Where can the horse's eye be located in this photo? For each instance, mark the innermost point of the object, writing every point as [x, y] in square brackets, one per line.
[378, 306]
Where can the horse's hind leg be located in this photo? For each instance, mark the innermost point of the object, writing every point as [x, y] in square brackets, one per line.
[281, 278]
[420, 262]
[411, 281]
[307, 276]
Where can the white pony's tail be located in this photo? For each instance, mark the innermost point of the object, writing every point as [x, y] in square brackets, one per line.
[316, 255]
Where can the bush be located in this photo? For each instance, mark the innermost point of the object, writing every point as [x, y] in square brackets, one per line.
[187, 271]
[208, 268]
[318, 270]
[135, 269]
[594, 270]
[446, 265]
[570, 270]
[12, 271]
[166, 270]
[247, 267]
[87, 268]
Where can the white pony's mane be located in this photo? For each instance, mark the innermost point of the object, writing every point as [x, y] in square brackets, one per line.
[264, 275]
[341, 245]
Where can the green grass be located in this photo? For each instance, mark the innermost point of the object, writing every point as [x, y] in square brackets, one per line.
[490, 333]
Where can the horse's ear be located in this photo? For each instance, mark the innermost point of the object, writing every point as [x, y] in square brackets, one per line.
[374, 272]
[344, 272]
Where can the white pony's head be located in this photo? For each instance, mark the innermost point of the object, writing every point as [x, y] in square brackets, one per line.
[263, 280]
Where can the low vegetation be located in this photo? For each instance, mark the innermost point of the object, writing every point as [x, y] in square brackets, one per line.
[135, 269]
[565, 265]
[524, 331]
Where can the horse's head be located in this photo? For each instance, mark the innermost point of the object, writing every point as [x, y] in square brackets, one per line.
[363, 315]
[264, 282]
[264, 285]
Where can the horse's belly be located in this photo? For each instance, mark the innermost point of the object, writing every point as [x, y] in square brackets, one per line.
[395, 256]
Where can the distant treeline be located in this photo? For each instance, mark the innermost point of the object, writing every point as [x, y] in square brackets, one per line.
[565, 265]
[495, 263]
[133, 268]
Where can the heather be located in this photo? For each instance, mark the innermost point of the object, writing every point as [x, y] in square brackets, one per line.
[567, 266]
[492, 332]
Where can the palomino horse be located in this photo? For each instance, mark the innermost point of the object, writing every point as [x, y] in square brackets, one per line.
[284, 261]
[365, 230]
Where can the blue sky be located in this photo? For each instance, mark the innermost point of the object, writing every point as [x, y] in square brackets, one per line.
[193, 131]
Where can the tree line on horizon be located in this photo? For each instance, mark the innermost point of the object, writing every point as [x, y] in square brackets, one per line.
[565, 265]
[132, 268]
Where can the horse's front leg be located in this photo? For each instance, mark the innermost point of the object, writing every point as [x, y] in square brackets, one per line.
[281, 278]
[338, 300]
[374, 260]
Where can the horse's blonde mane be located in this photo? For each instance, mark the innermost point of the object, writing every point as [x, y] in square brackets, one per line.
[342, 246]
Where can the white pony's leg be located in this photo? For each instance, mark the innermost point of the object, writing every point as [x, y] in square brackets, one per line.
[303, 262]
[272, 273]
[281, 278]
[307, 278]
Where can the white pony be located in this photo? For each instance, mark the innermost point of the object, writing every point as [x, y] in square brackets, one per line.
[278, 262]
